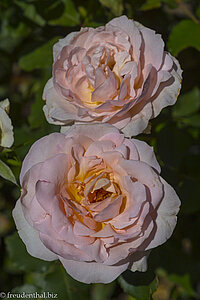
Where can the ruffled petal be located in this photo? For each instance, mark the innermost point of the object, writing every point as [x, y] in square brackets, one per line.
[92, 272]
[30, 236]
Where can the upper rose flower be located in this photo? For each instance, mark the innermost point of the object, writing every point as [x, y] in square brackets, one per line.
[6, 128]
[118, 73]
[94, 200]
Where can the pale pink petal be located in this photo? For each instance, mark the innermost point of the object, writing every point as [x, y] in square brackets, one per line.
[41, 150]
[28, 188]
[60, 162]
[150, 179]
[98, 147]
[139, 122]
[63, 42]
[81, 229]
[169, 91]
[139, 262]
[99, 77]
[146, 154]
[123, 250]
[166, 216]
[45, 194]
[91, 130]
[92, 272]
[107, 90]
[35, 211]
[30, 236]
[111, 211]
[130, 28]
[133, 149]
[64, 249]
[116, 138]
[153, 47]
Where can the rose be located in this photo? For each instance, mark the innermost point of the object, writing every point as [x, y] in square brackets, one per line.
[6, 128]
[94, 200]
[118, 73]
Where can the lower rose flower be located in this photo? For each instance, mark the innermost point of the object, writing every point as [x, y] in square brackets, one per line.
[94, 200]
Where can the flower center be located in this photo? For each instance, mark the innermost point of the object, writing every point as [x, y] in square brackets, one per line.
[99, 195]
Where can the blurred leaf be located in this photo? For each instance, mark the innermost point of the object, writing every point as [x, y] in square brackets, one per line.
[184, 282]
[10, 36]
[82, 11]
[198, 11]
[187, 104]
[5, 224]
[36, 117]
[171, 3]
[102, 291]
[58, 281]
[39, 58]
[20, 258]
[136, 288]
[185, 34]
[49, 9]
[151, 4]
[192, 121]
[36, 279]
[14, 162]
[30, 12]
[5, 69]
[27, 289]
[6, 172]
[116, 6]
[70, 16]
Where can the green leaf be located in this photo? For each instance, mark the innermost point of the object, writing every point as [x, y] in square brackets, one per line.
[198, 11]
[171, 3]
[28, 289]
[184, 282]
[185, 34]
[36, 117]
[40, 58]
[136, 288]
[70, 16]
[151, 4]
[10, 36]
[187, 104]
[30, 12]
[102, 291]
[36, 279]
[20, 258]
[6, 172]
[116, 6]
[58, 281]
[193, 121]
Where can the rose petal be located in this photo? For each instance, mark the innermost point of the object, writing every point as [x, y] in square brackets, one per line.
[30, 236]
[92, 272]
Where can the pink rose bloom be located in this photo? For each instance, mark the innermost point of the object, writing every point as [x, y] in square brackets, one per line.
[118, 74]
[94, 200]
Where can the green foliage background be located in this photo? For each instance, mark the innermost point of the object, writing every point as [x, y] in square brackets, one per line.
[29, 28]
